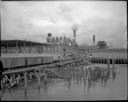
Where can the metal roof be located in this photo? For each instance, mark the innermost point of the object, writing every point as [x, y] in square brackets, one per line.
[14, 43]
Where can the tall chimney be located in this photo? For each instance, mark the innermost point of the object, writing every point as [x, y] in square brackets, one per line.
[74, 29]
[93, 39]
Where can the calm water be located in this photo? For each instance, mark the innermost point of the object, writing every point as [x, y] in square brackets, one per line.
[59, 89]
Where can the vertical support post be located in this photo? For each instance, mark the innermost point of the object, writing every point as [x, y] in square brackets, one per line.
[108, 63]
[105, 61]
[46, 49]
[113, 62]
[24, 46]
[126, 61]
[29, 45]
[7, 47]
[51, 48]
[17, 46]
[45, 75]
[25, 82]
[39, 81]
[26, 61]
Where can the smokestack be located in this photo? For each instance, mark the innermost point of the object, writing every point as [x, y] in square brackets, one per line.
[93, 39]
[74, 34]
[74, 29]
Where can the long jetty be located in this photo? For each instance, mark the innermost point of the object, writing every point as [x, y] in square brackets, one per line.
[60, 63]
[11, 77]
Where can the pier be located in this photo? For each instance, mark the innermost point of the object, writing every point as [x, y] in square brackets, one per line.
[101, 60]
[13, 77]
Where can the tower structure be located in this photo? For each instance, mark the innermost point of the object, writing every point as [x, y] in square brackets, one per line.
[93, 39]
[74, 29]
[49, 35]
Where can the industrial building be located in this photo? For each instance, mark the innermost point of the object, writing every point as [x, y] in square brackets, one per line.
[22, 46]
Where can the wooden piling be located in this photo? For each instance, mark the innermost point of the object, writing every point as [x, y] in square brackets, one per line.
[25, 82]
[45, 75]
[113, 62]
[39, 81]
[108, 63]
[103, 61]
[126, 61]
[96, 60]
[99, 60]
[123, 61]
[119, 61]
[92, 60]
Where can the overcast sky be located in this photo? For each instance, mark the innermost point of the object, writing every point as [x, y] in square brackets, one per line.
[30, 20]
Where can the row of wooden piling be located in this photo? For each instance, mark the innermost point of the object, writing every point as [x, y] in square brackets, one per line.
[38, 76]
[88, 74]
[105, 61]
[25, 78]
[12, 80]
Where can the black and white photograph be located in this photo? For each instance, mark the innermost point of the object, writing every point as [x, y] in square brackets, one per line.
[63, 50]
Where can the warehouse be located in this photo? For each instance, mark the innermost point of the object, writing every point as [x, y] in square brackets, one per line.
[23, 46]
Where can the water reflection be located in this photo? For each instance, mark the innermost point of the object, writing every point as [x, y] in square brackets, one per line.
[45, 87]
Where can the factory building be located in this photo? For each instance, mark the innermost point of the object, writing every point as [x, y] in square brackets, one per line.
[62, 47]
[22, 46]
